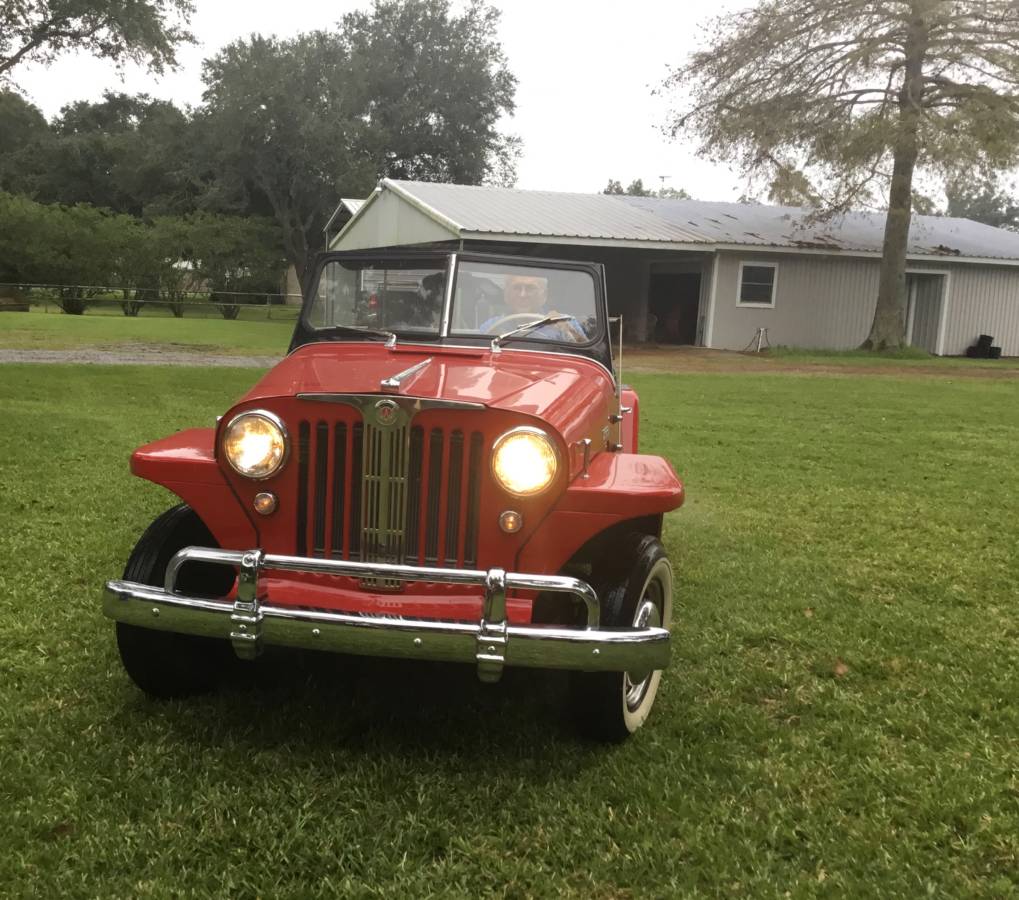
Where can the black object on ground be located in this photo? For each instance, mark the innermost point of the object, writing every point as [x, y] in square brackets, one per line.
[982, 349]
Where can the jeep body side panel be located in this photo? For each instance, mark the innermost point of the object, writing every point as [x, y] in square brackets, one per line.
[629, 428]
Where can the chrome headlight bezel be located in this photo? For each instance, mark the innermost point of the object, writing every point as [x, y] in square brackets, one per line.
[273, 420]
[541, 435]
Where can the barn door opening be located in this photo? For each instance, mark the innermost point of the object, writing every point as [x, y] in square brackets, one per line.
[673, 301]
[924, 296]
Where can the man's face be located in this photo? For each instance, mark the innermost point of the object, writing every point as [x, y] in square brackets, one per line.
[526, 293]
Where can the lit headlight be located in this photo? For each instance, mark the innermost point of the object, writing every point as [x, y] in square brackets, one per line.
[524, 461]
[255, 444]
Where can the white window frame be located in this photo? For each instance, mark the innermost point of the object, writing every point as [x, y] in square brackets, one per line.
[739, 284]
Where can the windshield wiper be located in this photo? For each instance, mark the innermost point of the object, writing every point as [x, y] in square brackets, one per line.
[527, 326]
[390, 336]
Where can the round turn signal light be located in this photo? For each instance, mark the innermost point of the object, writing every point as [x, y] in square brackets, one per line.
[265, 503]
[511, 521]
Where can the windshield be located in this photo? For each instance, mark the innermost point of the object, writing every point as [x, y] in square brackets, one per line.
[497, 298]
[390, 295]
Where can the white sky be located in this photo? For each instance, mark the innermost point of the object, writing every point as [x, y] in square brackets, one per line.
[585, 71]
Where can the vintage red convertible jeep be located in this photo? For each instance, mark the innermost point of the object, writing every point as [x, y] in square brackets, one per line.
[444, 467]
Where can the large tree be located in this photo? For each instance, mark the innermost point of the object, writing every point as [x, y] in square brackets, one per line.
[433, 87]
[406, 89]
[857, 98]
[982, 199]
[142, 31]
[279, 133]
[128, 153]
[23, 130]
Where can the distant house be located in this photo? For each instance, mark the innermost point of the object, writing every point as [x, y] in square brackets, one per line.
[710, 274]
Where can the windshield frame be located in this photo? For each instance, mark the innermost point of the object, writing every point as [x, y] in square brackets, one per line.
[310, 333]
[597, 348]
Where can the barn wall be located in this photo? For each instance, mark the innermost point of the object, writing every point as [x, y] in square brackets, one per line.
[825, 302]
[982, 300]
[819, 302]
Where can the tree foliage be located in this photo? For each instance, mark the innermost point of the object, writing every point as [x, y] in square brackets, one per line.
[130, 154]
[141, 31]
[636, 189]
[857, 98]
[79, 248]
[126, 153]
[23, 130]
[280, 132]
[236, 258]
[983, 200]
[406, 90]
[88, 251]
[432, 87]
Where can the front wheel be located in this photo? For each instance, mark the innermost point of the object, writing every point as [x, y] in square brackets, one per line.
[165, 664]
[610, 706]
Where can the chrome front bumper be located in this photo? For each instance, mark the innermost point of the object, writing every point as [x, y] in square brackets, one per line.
[491, 643]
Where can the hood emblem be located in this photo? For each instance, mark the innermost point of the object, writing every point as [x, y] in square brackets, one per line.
[385, 412]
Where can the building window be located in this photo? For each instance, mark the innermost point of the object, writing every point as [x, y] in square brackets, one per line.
[757, 282]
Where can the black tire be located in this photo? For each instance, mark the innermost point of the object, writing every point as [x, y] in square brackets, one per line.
[165, 664]
[610, 706]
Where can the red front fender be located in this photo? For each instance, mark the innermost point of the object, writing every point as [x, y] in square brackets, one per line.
[619, 487]
[185, 464]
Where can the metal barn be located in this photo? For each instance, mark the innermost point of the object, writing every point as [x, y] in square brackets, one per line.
[711, 274]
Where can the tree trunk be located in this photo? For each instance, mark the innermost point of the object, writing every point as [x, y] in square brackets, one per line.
[295, 247]
[888, 330]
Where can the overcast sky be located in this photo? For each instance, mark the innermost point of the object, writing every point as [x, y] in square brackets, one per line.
[586, 72]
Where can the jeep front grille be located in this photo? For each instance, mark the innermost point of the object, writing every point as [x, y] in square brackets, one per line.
[404, 493]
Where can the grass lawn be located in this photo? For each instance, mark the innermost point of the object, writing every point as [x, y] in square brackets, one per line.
[840, 718]
[908, 357]
[37, 330]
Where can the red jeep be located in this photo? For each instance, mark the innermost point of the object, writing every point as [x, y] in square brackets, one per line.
[444, 467]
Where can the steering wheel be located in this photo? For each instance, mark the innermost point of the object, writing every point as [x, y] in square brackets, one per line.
[516, 319]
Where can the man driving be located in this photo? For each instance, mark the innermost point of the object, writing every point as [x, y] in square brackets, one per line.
[525, 296]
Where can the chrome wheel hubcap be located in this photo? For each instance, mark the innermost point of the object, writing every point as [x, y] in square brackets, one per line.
[648, 615]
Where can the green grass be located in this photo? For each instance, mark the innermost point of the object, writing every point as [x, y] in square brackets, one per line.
[840, 718]
[906, 357]
[105, 330]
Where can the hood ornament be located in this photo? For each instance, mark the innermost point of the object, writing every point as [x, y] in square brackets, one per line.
[392, 384]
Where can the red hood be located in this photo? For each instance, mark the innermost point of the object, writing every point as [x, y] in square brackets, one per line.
[556, 388]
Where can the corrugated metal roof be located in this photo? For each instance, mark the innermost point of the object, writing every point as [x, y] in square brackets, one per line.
[496, 210]
[347, 209]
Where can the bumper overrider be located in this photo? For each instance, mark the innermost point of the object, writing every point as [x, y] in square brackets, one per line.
[491, 643]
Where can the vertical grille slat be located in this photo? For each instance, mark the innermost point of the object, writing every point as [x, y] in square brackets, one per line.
[303, 441]
[339, 488]
[473, 501]
[380, 491]
[434, 496]
[415, 462]
[453, 481]
[321, 487]
[357, 454]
